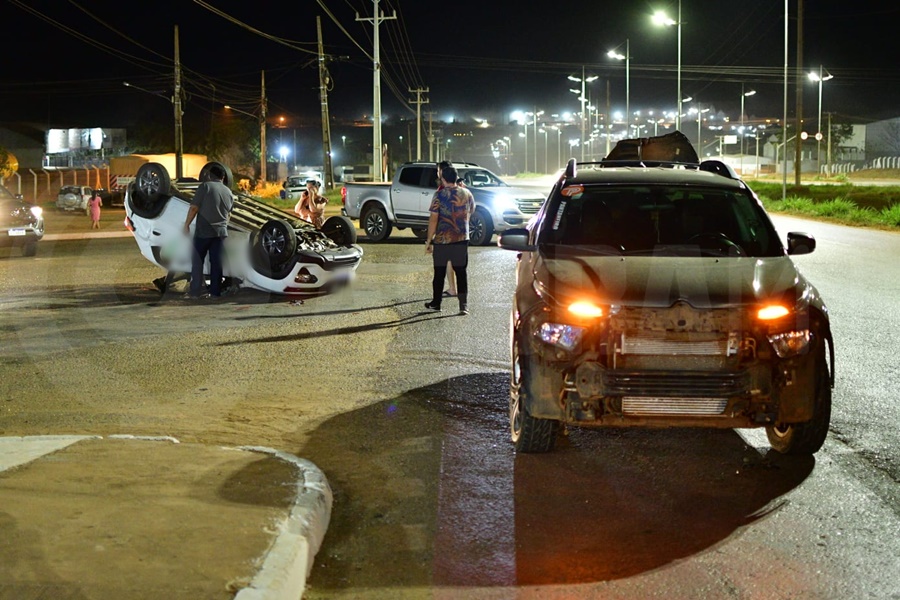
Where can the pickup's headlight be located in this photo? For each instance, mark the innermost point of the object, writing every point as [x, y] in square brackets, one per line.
[37, 211]
[504, 202]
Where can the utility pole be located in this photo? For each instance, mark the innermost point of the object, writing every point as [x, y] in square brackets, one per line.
[176, 100]
[326, 125]
[430, 136]
[377, 161]
[262, 130]
[798, 155]
[419, 102]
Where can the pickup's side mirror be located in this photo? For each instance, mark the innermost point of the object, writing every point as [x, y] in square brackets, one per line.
[516, 240]
[800, 243]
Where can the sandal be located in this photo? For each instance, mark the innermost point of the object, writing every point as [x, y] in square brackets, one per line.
[447, 294]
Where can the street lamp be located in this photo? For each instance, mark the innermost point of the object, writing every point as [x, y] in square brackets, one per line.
[818, 77]
[627, 59]
[583, 80]
[660, 18]
[535, 114]
[743, 95]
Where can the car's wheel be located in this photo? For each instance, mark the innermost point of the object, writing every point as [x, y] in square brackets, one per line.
[29, 249]
[420, 232]
[376, 225]
[275, 244]
[530, 435]
[807, 438]
[481, 228]
[340, 230]
[229, 177]
[150, 190]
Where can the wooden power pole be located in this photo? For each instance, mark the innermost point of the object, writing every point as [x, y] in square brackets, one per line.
[262, 130]
[326, 125]
[176, 100]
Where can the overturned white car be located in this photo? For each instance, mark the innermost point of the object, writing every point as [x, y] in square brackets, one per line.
[266, 249]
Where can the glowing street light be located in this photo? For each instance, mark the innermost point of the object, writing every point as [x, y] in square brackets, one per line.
[743, 95]
[819, 77]
[627, 58]
[660, 18]
[583, 80]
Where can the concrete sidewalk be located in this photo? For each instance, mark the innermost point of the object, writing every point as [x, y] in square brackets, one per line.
[139, 517]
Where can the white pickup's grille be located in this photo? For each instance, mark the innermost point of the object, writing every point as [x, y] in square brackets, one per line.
[673, 406]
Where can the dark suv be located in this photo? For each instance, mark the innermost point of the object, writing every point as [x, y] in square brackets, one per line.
[655, 293]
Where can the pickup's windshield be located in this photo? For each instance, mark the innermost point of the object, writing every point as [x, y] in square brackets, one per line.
[669, 221]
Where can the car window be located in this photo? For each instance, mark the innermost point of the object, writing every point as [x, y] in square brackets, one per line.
[69, 189]
[643, 219]
[480, 178]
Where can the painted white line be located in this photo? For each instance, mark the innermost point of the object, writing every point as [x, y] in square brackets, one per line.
[16, 451]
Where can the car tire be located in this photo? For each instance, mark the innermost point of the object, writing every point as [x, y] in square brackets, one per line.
[481, 228]
[29, 249]
[376, 225]
[807, 438]
[419, 232]
[340, 230]
[273, 246]
[229, 177]
[150, 190]
[529, 434]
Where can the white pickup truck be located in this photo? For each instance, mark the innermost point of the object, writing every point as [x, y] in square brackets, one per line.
[404, 202]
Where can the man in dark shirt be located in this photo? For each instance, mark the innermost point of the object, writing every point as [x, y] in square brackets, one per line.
[211, 205]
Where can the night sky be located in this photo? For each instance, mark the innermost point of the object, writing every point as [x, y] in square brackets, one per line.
[479, 59]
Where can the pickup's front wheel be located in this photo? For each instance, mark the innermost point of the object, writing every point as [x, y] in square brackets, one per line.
[481, 228]
[376, 225]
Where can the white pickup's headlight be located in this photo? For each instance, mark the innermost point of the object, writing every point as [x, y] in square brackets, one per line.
[565, 336]
[790, 343]
[504, 202]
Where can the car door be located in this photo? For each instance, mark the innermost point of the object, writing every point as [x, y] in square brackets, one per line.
[411, 193]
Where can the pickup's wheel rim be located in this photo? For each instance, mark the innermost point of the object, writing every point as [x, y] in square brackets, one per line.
[515, 396]
[374, 224]
[476, 225]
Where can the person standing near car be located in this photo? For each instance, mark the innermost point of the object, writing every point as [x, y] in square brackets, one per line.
[211, 205]
[447, 239]
[94, 205]
[311, 207]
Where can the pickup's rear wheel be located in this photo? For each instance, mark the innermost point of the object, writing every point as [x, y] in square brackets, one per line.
[807, 438]
[340, 230]
[481, 228]
[376, 225]
[530, 435]
[150, 190]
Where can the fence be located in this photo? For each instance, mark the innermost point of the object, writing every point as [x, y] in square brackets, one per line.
[882, 162]
[38, 187]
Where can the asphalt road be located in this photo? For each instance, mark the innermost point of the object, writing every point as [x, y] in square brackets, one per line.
[405, 412]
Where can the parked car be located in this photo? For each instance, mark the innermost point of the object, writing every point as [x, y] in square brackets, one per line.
[404, 202]
[656, 293]
[266, 248]
[74, 197]
[21, 224]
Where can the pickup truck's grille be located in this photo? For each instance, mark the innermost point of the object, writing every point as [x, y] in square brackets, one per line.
[684, 384]
[529, 206]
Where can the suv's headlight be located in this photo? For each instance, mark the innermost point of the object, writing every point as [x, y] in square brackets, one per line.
[37, 211]
[567, 337]
[790, 343]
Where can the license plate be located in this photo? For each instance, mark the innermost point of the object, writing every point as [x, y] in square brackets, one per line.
[16, 232]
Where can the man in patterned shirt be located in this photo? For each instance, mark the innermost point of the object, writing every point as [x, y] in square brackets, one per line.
[448, 237]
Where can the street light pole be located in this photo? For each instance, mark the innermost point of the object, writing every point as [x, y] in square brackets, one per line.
[813, 76]
[660, 18]
[743, 95]
[627, 59]
[584, 80]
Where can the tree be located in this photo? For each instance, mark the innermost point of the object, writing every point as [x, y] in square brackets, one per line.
[8, 164]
